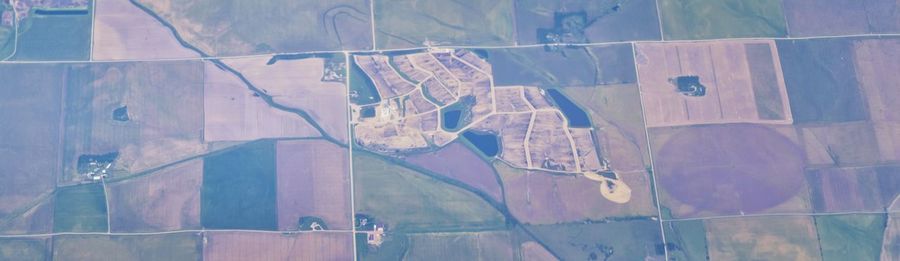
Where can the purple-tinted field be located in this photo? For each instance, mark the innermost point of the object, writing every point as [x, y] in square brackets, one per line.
[124, 31]
[536, 197]
[729, 169]
[313, 180]
[837, 17]
[164, 201]
[458, 162]
[272, 246]
[29, 133]
[854, 189]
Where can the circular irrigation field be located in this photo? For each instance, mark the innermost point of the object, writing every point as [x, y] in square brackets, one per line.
[730, 168]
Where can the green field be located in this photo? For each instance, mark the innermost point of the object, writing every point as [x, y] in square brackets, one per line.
[850, 237]
[710, 19]
[54, 37]
[686, 240]
[410, 201]
[182, 246]
[493, 245]
[620, 240]
[23, 249]
[239, 188]
[407, 23]
[7, 35]
[80, 208]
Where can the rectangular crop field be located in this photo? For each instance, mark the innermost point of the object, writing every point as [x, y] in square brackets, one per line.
[239, 188]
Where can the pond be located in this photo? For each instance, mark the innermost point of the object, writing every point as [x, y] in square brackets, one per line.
[576, 116]
[486, 142]
[61, 11]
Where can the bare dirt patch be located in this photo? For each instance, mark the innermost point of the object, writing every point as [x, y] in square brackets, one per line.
[272, 246]
[166, 200]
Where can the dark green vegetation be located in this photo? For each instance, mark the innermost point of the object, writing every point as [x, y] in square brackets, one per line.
[306, 223]
[686, 240]
[487, 143]
[408, 23]
[409, 201]
[620, 240]
[690, 85]
[457, 115]
[712, 19]
[267, 26]
[54, 36]
[23, 249]
[180, 246]
[579, 21]
[575, 115]
[120, 114]
[362, 89]
[80, 208]
[239, 188]
[821, 81]
[563, 67]
[851, 237]
[766, 91]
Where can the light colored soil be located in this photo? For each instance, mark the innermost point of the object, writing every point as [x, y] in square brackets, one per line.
[167, 200]
[313, 180]
[220, 246]
[123, 31]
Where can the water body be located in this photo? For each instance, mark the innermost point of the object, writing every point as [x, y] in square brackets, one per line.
[61, 11]
[362, 86]
[451, 119]
[486, 142]
[457, 115]
[121, 114]
[576, 116]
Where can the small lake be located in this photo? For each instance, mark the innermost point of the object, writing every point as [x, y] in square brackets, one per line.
[576, 116]
[61, 11]
[486, 142]
[451, 119]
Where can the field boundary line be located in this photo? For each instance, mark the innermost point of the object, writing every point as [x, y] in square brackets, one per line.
[425, 48]
[654, 185]
[350, 151]
[93, 26]
[784, 215]
[372, 22]
[662, 34]
[174, 232]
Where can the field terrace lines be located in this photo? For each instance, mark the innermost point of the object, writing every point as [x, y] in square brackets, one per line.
[419, 87]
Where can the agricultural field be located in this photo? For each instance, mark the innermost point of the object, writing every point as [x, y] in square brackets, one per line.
[853, 188]
[616, 240]
[851, 236]
[821, 84]
[686, 240]
[462, 246]
[762, 238]
[563, 67]
[581, 21]
[7, 31]
[265, 27]
[180, 246]
[233, 113]
[716, 19]
[133, 115]
[123, 31]
[706, 83]
[276, 246]
[729, 169]
[80, 208]
[313, 179]
[53, 30]
[456, 161]
[405, 200]
[167, 200]
[30, 113]
[846, 17]
[24, 248]
[411, 23]
[239, 188]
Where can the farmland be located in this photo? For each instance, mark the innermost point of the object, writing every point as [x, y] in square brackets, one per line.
[166, 200]
[853, 189]
[564, 67]
[620, 240]
[160, 125]
[706, 168]
[409, 23]
[181, 246]
[52, 36]
[313, 179]
[80, 208]
[239, 188]
[303, 25]
[23, 249]
[124, 31]
[713, 19]
[30, 99]
[766, 238]
[273, 246]
[461, 246]
[847, 17]
[740, 81]
[850, 236]
[409, 201]
[460, 163]
[586, 21]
